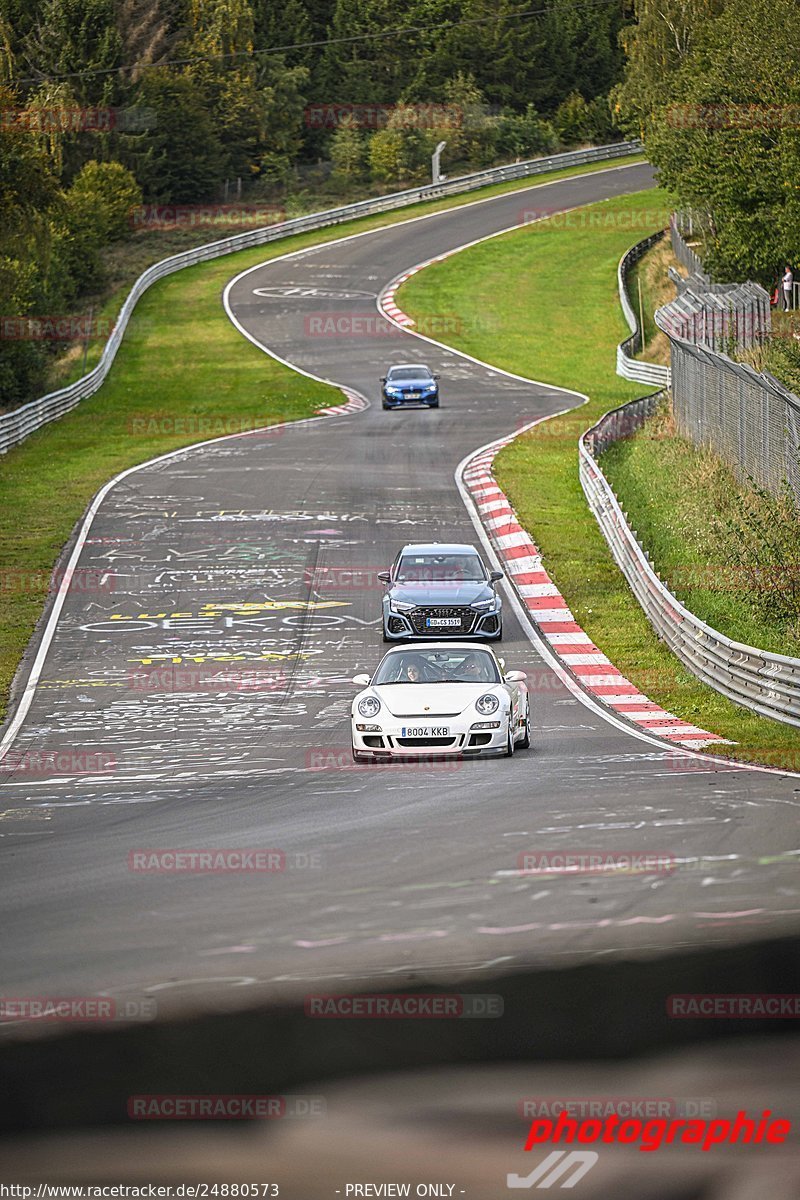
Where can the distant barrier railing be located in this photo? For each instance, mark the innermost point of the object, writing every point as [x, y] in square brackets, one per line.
[628, 366]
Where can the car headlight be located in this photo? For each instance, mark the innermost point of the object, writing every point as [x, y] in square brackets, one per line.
[392, 391]
[487, 704]
[370, 706]
[430, 387]
[400, 606]
[484, 605]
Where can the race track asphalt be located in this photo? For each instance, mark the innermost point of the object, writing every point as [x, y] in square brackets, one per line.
[207, 562]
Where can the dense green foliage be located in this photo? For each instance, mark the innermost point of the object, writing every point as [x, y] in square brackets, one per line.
[714, 88]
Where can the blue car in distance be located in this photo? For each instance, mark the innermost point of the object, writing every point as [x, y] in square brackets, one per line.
[410, 383]
[441, 590]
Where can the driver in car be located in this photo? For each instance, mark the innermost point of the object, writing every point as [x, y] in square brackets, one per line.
[472, 669]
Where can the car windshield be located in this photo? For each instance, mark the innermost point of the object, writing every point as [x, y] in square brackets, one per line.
[408, 373]
[421, 568]
[438, 666]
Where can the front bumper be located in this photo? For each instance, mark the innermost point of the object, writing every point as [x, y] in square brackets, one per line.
[461, 741]
[411, 402]
[400, 627]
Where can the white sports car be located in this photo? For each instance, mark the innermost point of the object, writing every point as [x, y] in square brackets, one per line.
[441, 698]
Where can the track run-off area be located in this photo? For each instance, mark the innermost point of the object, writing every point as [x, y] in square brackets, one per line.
[257, 555]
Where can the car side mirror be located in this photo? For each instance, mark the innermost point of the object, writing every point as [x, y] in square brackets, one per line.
[361, 680]
[383, 379]
[515, 676]
[437, 378]
[495, 575]
[384, 577]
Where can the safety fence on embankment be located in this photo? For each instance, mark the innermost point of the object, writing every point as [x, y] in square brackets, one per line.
[767, 683]
[16, 425]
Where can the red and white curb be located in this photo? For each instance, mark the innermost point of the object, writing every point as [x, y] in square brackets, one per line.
[354, 403]
[386, 300]
[547, 608]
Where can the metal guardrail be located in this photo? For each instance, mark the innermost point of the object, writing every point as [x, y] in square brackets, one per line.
[628, 366]
[16, 425]
[767, 683]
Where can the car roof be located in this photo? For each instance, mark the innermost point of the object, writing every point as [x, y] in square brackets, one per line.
[424, 647]
[439, 548]
[409, 367]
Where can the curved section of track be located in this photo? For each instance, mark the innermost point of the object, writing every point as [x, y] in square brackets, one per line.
[215, 678]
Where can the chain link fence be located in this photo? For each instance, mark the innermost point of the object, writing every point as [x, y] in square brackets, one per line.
[749, 418]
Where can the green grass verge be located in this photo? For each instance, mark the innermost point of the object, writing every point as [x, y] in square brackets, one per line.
[689, 509]
[551, 295]
[180, 358]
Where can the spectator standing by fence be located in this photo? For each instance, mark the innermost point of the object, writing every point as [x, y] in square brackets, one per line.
[787, 281]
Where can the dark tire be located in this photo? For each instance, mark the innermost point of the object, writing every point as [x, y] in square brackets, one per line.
[385, 638]
[510, 741]
[434, 405]
[525, 744]
[386, 407]
[499, 637]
